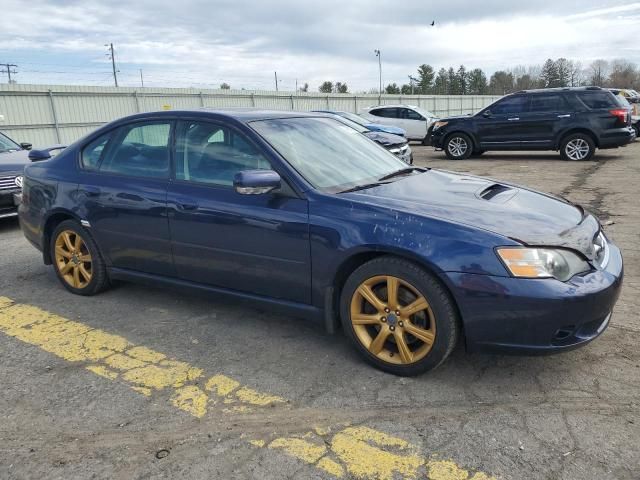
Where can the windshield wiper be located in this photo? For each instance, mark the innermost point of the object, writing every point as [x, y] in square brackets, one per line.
[364, 186]
[402, 171]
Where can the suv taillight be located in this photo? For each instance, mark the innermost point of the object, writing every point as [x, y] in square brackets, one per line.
[620, 114]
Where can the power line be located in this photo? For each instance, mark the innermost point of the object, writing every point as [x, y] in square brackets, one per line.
[9, 71]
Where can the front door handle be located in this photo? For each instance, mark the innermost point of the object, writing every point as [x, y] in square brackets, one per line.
[90, 190]
[513, 119]
[187, 206]
[564, 116]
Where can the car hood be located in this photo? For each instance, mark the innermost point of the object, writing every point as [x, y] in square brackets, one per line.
[386, 128]
[386, 139]
[455, 117]
[14, 161]
[524, 215]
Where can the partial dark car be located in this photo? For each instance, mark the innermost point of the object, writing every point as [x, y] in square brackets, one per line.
[369, 125]
[395, 144]
[304, 214]
[574, 121]
[13, 158]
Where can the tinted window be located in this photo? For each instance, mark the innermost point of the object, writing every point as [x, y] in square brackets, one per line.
[211, 153]
[92, 153]
[510, 105]
[385, 112]
[411, 114]
[140, 150]
[597, 99]
[547, 103]
[6, 144]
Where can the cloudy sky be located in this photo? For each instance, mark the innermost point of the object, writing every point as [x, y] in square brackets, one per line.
[202, 43]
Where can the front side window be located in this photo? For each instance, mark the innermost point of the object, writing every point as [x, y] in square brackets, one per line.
[211, 153]
[510, 105]
[547, 103]
[7, 145]
[140, 150]
[329, 155]
[385, 112]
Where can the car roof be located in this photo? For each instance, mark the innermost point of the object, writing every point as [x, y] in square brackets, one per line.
[396, 105]
[560, 89]
[243, 115]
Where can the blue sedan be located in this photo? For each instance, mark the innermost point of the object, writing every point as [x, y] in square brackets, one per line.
[304, 214]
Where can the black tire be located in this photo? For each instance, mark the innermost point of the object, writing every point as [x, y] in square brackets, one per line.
[445, 316]
[636, 127]
[458, 146]
[477, 153]
[577, 147]
[99, 279]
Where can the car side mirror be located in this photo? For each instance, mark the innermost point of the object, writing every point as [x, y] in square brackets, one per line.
[38, 155]
[256, 182]
[486, 113]
[26, 146]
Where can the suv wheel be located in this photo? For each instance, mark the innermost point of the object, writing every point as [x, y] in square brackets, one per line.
[577, 147]
[458, 146]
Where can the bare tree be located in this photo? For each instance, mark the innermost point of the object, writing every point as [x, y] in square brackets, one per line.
[598, 72]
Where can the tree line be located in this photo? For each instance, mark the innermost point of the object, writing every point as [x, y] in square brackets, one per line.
[560, 72]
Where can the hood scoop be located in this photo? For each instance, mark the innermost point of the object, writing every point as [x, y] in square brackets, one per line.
[497, 193]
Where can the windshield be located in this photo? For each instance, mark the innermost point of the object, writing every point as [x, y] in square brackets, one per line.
[424, 113]
[329, 155]
[8, 145]
[349, 123]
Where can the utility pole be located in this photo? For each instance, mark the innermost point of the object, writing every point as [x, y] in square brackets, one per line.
[113, 62]
[377, 52]
[275, 74]
[9, 71]
[411, 80]
[141, 79]
[296, 86]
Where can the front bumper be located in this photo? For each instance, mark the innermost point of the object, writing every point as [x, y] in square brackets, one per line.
[9, 203]
[536, 316]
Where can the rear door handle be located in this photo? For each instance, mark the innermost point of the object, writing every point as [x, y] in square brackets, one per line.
[564, 116]
[90, 191]
[513, 119]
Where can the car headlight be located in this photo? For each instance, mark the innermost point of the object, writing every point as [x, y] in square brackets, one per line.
[438, 125]
[542, 262]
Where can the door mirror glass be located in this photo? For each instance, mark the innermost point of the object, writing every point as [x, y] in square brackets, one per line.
[486, 113]
[256, 182]
[26, 146]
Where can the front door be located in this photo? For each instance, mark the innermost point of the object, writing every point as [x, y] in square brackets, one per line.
[414, 123]
[123, 186]
[251, 243]
[499, 126]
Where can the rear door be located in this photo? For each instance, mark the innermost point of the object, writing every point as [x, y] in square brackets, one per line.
[499, 125]
[385, 116]
[123, 194]
[548, 115]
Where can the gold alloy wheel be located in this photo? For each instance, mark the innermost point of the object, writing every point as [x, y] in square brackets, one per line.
[73, 259]
[393, 320]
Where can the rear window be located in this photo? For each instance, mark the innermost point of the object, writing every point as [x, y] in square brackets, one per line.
[595, 100]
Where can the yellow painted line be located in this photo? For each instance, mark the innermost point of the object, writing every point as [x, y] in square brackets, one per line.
[341, 451]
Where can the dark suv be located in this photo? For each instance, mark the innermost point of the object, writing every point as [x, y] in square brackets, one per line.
[574, 121]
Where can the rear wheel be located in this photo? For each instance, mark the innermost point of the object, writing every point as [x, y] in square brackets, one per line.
[398, 316]
[458, 146]
[76, 259]
[477, 153]
[636, 127]
[577, 147]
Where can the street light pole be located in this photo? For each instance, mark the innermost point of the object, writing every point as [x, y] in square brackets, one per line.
[377, 52]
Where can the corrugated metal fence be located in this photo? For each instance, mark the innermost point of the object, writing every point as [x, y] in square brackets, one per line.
[47, 114]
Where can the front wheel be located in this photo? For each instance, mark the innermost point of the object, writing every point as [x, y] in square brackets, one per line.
[577, 147]
[458, 146]
[398, 316]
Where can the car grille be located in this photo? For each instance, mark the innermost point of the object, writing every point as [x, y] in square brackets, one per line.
[399, 150]
[8, 183]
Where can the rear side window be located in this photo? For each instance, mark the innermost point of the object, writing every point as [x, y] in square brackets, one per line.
[547, 103]
[92, 153]
[385, 112]
[140, 150]
[595, 100]
[411, 114]
[510, 105]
